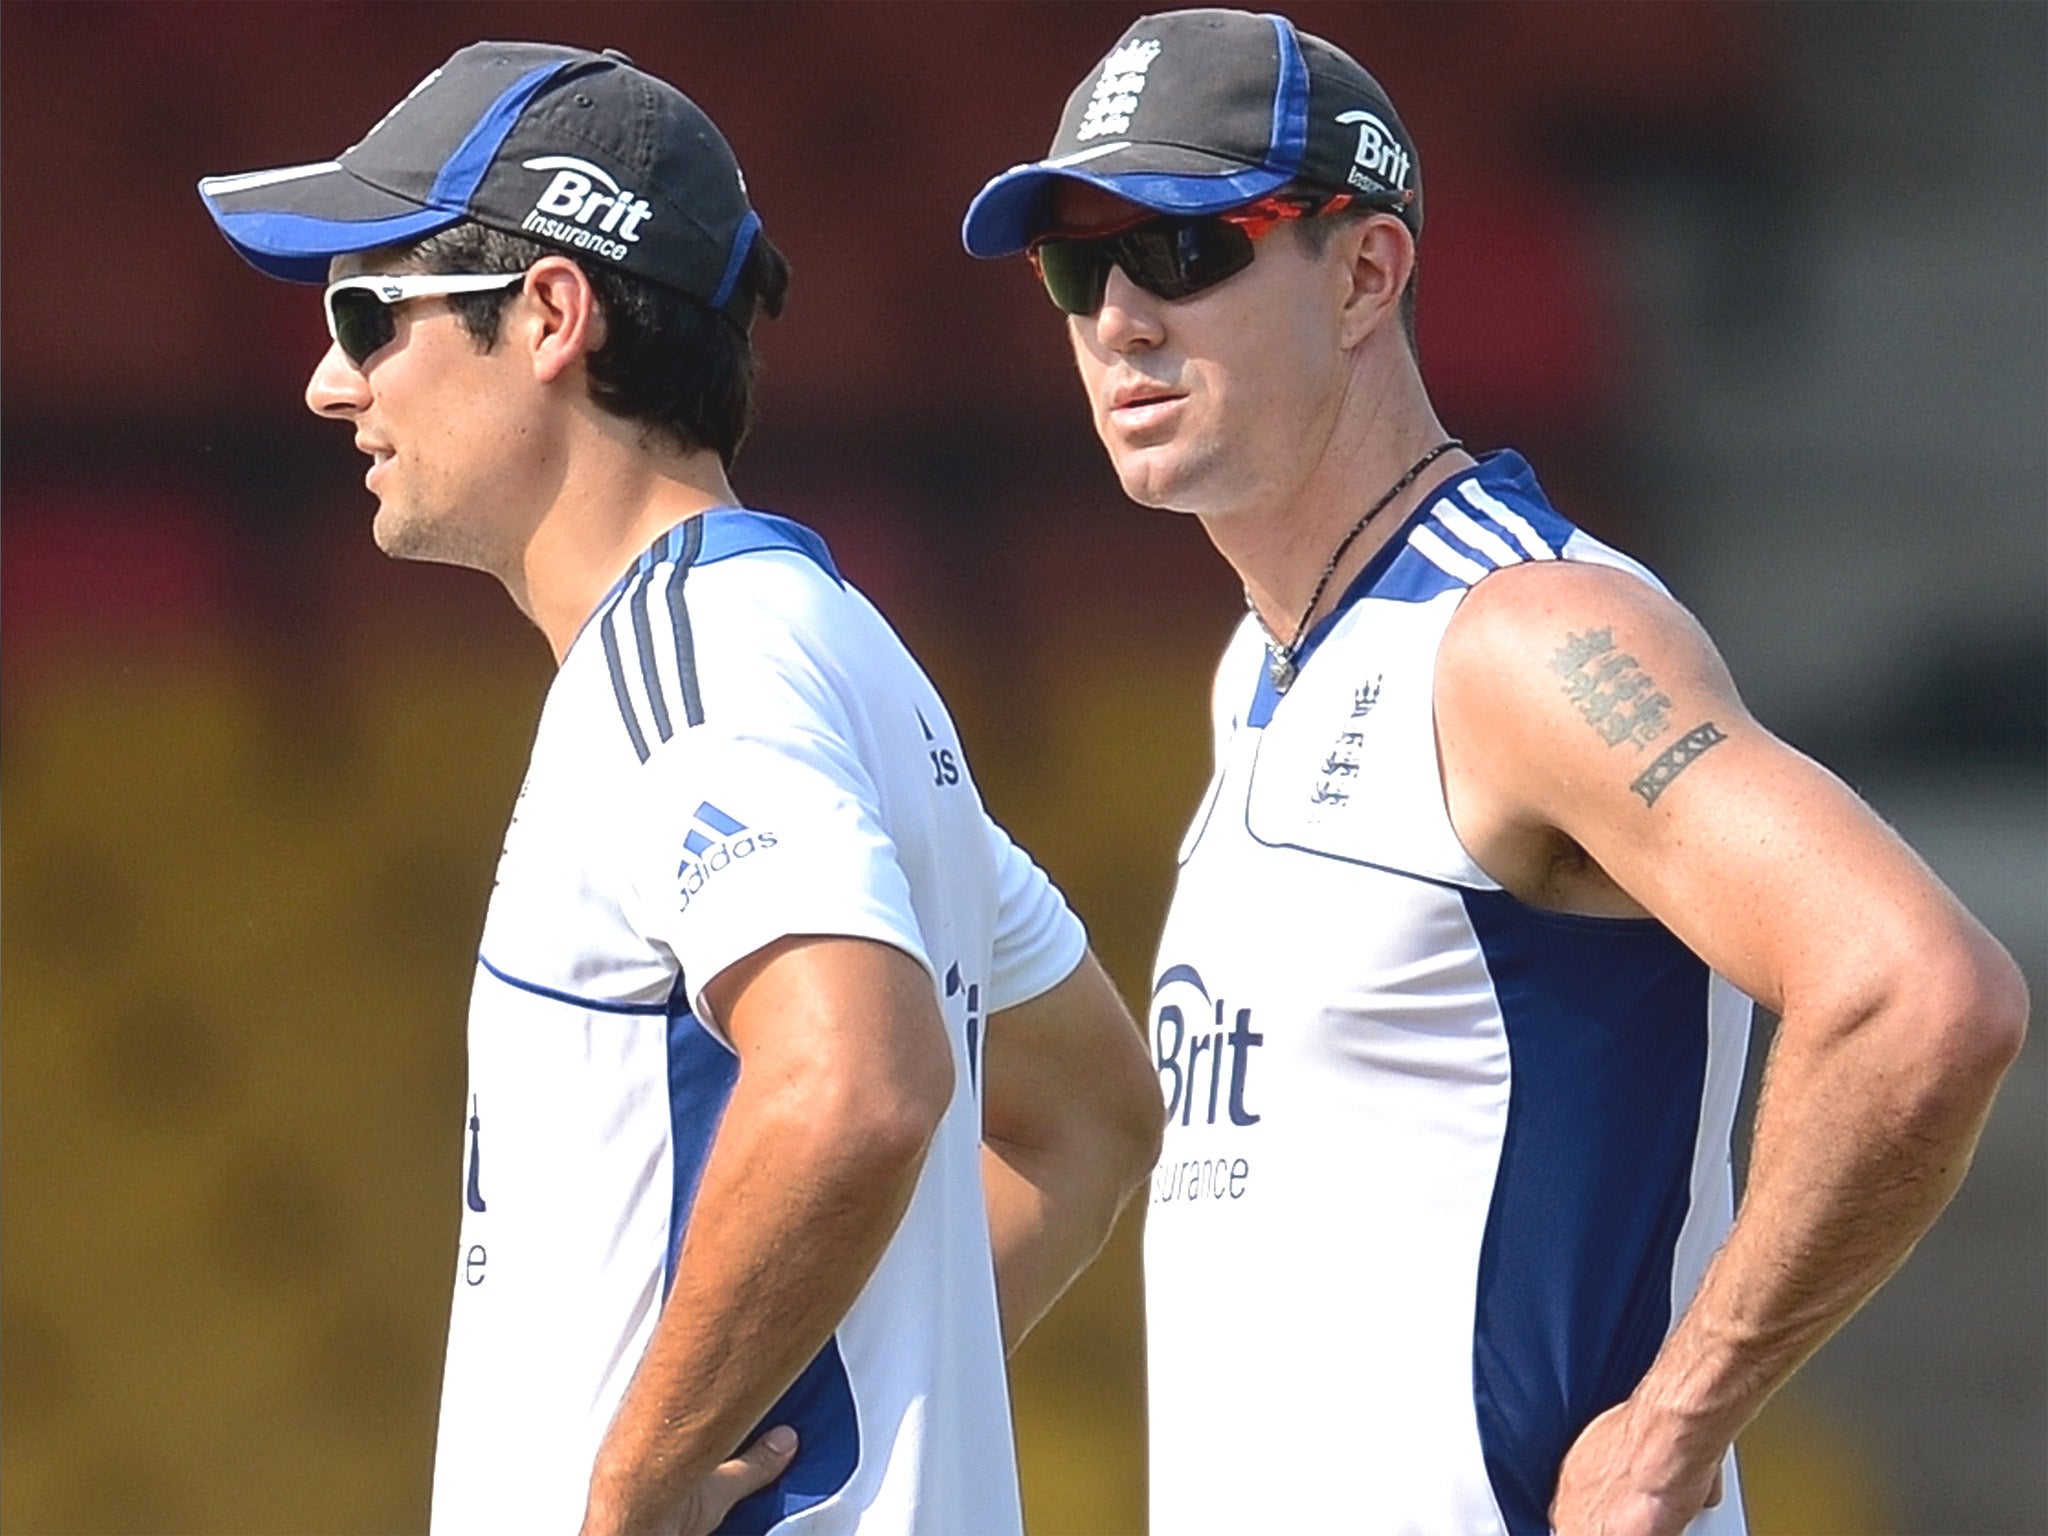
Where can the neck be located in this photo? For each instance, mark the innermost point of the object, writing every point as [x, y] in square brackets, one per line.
[617, 497]
[1280, 544]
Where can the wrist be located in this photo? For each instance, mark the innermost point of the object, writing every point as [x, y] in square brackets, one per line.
[1685, 1413]
[621, 1500]
[1674, 1442]
[603, 1513]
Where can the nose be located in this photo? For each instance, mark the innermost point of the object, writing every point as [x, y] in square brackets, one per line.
[1129, 320]
[337, 388]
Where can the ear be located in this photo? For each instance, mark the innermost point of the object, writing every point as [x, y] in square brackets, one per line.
[1381, 255]
[562, 322]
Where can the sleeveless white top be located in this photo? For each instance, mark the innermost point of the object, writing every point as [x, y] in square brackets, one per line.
[1440, 1168]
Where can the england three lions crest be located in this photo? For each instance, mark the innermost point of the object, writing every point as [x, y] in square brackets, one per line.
[1335, 778]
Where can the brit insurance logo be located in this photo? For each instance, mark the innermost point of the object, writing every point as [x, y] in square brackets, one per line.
[1378, 163]
[1189, 1029]
[714, 843]
[584, 207]
[1117, 90]
[1203, 1050]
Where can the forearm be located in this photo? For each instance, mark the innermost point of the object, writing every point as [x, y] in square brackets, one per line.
[1071, 1119]
[1863, 1134]
[1049, 1213]
[793, 1213]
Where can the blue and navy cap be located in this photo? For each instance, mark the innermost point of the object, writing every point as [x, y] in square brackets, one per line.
[575, 149]
[1197, 112]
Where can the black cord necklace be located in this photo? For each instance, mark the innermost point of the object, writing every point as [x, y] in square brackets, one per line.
[1280, 663]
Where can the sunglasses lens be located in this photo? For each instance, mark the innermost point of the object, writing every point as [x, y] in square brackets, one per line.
[363, 323]
[1074, 272]
[1168, 258]
[1177, 258]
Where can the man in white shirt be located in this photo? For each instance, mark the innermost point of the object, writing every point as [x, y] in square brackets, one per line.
[1452, 1001]
[795, 1095]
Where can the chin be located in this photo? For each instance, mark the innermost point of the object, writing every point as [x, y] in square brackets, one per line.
[1151, 479]
[404, 537]
[1140, 489]
[1141, 474]
[438, 542]
[397, 535]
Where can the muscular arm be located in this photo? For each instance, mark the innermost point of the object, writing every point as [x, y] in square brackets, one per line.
[1071, 1120]
[845, 1072]
[1899, 1013]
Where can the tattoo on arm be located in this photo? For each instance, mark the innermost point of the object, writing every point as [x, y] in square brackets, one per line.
[1610, 688]
[1621, 701]
[1676, 758]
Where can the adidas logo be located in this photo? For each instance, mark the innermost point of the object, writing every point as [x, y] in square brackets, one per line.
[715, 842]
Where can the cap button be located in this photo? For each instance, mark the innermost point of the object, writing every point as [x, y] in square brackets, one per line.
[616, 56]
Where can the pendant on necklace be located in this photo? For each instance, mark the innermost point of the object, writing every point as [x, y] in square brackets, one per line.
[1280, 668]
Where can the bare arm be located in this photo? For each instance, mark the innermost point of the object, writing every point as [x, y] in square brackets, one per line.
[1899, 1013]
[845, 1072]
[1071, 1121]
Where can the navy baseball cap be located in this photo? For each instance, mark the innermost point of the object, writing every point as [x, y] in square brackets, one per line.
[571, 148]
[1197, 112]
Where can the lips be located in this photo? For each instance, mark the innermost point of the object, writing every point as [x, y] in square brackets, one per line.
[379, 454]
[1126, 396]
[1142, 411]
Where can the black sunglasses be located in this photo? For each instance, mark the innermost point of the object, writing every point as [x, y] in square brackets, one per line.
[359, 309]
[1169, 257]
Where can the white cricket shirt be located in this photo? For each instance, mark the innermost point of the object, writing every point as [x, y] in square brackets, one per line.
[1440, 1168]
[736, 748]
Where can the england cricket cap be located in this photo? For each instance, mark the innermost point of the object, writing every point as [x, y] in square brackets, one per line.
[1197, 112]
[574, 149]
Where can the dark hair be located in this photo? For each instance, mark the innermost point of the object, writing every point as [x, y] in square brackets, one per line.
[1317, 232]
[682, 370]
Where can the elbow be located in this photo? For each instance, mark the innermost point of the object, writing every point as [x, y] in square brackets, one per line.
[1150, 1124]
[1974, 1019]
[873, 1129]
[1996, 1008]
[1140, 1119]
[897, 1127]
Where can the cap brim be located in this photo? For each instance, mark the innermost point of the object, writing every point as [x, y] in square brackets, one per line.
[292, 222]
[1011, 211]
